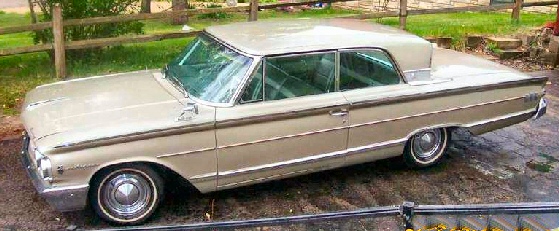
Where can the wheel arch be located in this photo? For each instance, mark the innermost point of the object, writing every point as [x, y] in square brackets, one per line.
[448, 127]
[164, 170]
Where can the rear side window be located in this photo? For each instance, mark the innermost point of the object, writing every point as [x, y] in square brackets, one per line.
[360, 69]
[293, 76]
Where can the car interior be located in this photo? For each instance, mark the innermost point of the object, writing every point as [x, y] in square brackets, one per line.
[293, 76]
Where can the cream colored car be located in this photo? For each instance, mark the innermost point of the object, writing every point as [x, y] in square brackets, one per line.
[258, 101]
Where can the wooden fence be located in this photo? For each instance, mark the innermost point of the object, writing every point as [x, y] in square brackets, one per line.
[60, 45]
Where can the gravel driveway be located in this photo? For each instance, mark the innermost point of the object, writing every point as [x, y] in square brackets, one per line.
[515, 164]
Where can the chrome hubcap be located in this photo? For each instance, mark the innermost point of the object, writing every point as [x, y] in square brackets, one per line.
[426, 144]
[127, 195]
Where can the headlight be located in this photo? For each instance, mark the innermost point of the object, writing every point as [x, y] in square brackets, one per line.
[38, 157]
[45, 169]
[44, 166]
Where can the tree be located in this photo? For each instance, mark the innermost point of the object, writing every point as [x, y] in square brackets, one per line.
[76, 9]
[146, 6]
[178, 5]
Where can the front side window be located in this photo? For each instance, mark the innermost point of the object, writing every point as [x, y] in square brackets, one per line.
[253, 92]
[209, 70]
[360, 69]
[293, 76]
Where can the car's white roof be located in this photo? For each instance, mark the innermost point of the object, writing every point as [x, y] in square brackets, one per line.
[271, 37]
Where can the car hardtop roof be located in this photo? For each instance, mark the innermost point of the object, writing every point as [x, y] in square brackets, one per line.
[273, 37]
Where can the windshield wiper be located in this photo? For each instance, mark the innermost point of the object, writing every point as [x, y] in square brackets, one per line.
[175, 81]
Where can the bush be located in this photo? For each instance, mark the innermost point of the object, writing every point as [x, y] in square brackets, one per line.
[76, 9]
[215, 15]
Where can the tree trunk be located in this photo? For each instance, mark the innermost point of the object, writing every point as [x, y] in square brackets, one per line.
[178, 5]
[146, 6]
[32, 11]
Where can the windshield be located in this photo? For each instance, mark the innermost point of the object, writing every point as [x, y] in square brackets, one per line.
[208, 70]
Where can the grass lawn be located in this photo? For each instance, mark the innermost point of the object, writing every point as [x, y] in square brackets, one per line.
[457, 25]
[20, 73]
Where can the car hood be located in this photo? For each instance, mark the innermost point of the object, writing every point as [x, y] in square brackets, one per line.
[100, 107]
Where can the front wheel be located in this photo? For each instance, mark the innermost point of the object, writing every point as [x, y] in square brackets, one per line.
[126, 195]
[426, 148]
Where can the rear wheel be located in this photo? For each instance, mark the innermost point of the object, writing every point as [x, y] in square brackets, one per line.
[426, 148]
[126, 195]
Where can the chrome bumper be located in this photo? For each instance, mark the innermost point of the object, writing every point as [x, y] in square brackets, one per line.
[542, 108]
[63, 199]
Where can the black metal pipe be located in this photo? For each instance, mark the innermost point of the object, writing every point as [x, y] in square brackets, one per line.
[486, 209]
[362, 213]
[407, 211]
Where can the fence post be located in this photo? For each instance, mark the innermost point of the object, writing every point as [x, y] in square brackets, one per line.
[59, 50]
[516, 11]
[407, 214]
[403, 13]
[253, 14]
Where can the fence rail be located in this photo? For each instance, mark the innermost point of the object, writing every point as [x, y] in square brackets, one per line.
[408, 210]
[59, 46]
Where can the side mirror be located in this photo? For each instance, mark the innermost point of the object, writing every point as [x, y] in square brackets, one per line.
[189, 111]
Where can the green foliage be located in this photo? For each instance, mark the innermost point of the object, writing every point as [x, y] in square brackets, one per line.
[190, 6]
[2, 12]
[458, 25]
[549, 158]
[493, 48]
[543, 166]
[77, 9]
[21, 73]
[215, 15]
[213, 5]
[15, 40]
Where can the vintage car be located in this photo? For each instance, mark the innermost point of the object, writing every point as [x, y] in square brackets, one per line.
[258, 101]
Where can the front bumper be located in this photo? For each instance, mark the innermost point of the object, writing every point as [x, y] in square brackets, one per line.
[63, 199]
[542, 108]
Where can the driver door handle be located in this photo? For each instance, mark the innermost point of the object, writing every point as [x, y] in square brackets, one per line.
[342, 112]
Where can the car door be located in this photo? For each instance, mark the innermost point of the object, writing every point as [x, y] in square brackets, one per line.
[367, 77]
[289, 121]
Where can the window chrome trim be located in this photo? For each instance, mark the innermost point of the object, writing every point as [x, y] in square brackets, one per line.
[395, 64]
[287, 55]
[337, 72]
[264, 79]
[249, 81]
[255, 60]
